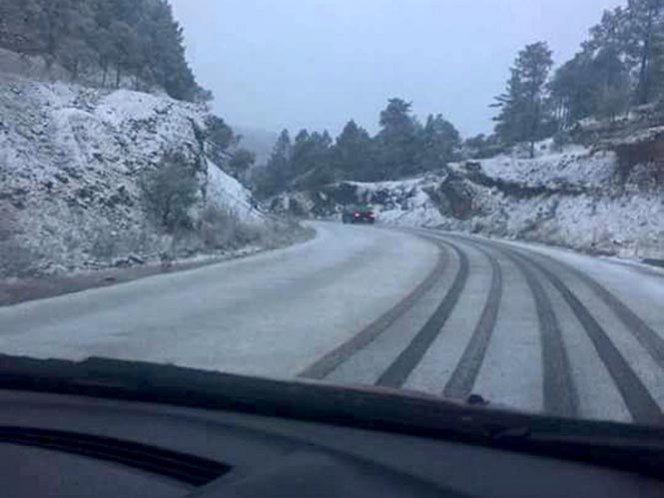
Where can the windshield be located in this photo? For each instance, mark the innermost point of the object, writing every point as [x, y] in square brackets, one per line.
[463, 199]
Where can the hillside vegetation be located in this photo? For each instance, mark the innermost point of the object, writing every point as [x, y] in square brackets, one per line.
[104, 42]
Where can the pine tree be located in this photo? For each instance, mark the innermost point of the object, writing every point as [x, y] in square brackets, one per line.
[301, 152]
[125, 43]
[630, 34]
[311, 164]
[572, 91]
[135, 38]
[522, 110]
[220, 139]
[593, 83]
[610, 83]
[354, 154]
[398, 140]
[440, 143]
[645, 20]
[657, 72]
[277, 172]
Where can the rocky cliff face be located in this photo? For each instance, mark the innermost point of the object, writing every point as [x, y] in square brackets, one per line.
[607, 200]
[71, 161]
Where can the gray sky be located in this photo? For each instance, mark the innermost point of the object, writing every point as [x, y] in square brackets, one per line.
[314, 64]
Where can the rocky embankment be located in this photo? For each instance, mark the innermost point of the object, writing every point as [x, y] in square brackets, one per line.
[71, 163]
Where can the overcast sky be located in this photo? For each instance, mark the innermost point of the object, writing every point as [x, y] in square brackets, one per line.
[314, 64]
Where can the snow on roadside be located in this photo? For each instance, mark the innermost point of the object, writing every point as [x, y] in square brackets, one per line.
[574, 164]
[228, 193]
[569, 197]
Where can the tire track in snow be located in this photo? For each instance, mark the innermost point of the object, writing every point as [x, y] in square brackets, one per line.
[463, 378]
[332, 360]
[397, 373]
[640, 403]
[559, 390]
[652, 342]
[560, 393]
[638, 399]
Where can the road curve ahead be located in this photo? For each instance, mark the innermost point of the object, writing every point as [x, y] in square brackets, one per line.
[524, 326]
[272, 314]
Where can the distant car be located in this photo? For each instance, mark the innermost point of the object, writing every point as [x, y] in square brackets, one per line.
[358, 214]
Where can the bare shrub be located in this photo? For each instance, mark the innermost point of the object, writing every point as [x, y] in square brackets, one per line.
[166, 260]
[280, 232]
[170, 192]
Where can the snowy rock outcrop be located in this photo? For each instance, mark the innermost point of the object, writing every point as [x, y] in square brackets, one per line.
[578, 197]
[71, 160]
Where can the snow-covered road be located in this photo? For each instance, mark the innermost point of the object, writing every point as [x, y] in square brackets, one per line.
[270, 314]
[526, 326]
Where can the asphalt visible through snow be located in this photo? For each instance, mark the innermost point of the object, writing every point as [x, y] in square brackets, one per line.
[524, 326]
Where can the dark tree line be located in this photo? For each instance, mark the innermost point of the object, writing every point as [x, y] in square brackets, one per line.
[113, 39]
[619, 66]
[403, 147]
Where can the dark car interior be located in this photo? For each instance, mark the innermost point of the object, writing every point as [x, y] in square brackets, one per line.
[107, 428]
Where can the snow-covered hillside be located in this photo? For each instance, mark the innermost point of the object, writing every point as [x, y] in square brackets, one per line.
[577, 197]
[71, 161]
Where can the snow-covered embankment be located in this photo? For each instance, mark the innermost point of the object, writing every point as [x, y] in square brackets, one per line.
[71, 163]
[577, 197]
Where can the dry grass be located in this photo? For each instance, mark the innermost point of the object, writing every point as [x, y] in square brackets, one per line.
[223, 229]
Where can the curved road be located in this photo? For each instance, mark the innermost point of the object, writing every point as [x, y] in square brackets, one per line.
[526, 326]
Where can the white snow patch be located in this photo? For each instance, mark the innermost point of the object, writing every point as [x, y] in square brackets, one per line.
[575, 164]
[228, 193]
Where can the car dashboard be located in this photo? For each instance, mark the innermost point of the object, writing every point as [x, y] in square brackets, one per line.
[74, 444]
